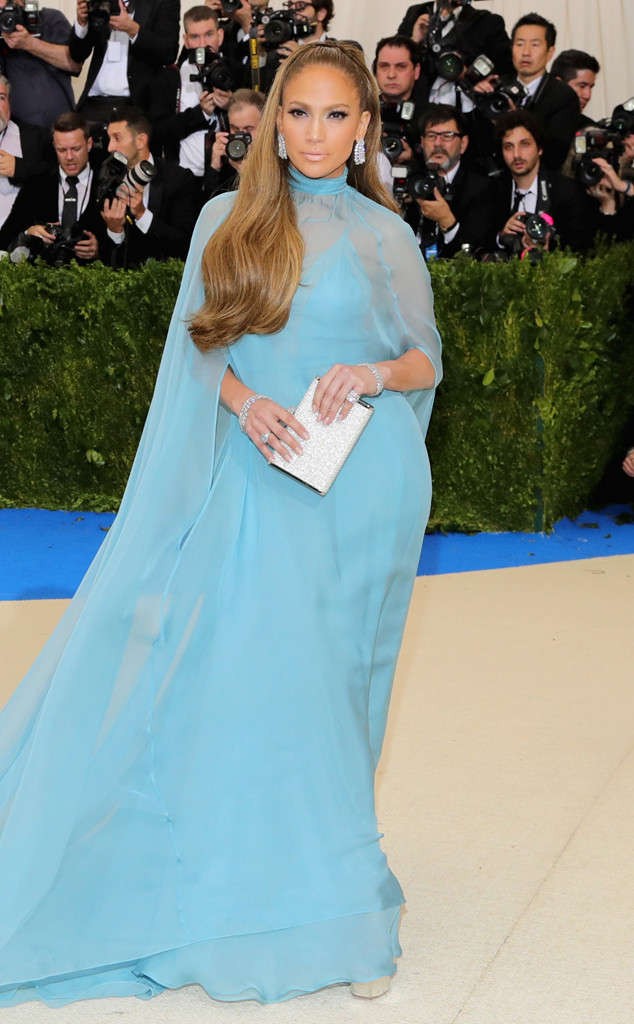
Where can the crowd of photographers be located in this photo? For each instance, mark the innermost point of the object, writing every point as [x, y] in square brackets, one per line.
[486, 151]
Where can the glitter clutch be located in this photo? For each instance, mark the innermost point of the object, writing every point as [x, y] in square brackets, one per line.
[328, 446]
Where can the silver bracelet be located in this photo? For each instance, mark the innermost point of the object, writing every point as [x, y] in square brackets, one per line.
[376, 373]
[244, 411]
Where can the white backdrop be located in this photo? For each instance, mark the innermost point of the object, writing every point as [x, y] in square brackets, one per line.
[604, 28]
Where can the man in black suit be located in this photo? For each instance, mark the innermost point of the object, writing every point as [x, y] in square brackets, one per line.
[460, 213]
[22, 156]
[470, 32]
[187, 135]
[65, 196]
[530, 188]
[129, 54]
[579, 70]
[551, 101]
[154, 221]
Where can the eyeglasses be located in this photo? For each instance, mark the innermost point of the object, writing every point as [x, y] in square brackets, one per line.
[445, 136]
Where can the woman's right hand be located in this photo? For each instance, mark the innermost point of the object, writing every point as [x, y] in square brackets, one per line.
[266, 426]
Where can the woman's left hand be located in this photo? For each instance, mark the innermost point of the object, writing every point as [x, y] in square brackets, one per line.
[334, 387]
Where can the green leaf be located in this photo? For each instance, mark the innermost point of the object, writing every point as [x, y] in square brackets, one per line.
[488, 378]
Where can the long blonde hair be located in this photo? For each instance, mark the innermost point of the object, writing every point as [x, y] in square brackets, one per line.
[252, 264]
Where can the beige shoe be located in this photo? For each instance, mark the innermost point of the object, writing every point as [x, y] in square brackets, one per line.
[371, 989]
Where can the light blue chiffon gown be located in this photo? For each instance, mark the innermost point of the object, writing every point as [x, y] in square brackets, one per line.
[187, 771]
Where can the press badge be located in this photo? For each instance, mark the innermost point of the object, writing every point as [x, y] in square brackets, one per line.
[431, 252]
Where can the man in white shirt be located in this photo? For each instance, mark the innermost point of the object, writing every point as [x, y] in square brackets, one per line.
[129, 54]
[21, 157]
[187, 135]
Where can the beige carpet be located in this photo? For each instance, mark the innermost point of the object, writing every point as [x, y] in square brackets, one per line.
[505, 793]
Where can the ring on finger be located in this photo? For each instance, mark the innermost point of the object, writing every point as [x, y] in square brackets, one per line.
[264, 438]
[352, 396]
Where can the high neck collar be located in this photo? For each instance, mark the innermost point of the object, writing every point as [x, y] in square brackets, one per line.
[316, 186]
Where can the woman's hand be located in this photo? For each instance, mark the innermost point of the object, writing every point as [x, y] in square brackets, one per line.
[266, 426]
[334, 387]
[628, 463]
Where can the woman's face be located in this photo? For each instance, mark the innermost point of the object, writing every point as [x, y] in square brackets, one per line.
[321, 119]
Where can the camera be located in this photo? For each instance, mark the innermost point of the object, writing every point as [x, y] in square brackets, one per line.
[283, 26]
[213, 72]
[115, 174]
[13, 14]
[395, 120]
[603, 140]
[422, 186]
[238, 145]
[57, 253]
[231, 6]
[490, 104]
[100, 12]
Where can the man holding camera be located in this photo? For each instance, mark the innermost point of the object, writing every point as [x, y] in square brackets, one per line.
[396, 68]
[456, 210]
[530, 190]
[151, 220]
[130, 49]
[187, 136]
[35, 58]
[59, 208]
[552, 102]
[22, 156]
[457, 27]
[230, 149]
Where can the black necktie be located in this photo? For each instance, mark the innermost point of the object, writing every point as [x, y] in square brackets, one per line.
[519, 197]
[69, 210]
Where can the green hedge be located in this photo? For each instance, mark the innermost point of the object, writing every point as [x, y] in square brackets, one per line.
[538, 366]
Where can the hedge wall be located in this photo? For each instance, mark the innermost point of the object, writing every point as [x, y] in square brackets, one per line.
[539, 364]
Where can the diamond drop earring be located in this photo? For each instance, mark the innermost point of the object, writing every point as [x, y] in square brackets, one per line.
[281, 147]
[359, 151]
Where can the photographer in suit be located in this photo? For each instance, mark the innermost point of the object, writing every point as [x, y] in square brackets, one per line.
[65, 196]
[531, 188]
[22, 156]
[129, 53]
[155, 221]
[553, 103]
[578, 70]
[187, 136]
[461, 211]
[244, 113]
[469, 32]
[396, 67]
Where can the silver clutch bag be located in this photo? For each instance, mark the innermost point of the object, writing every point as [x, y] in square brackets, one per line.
[328, 447]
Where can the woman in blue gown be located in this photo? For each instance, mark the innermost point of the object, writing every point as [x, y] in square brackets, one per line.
[187, 771]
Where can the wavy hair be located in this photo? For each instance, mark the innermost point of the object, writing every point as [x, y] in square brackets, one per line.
[252, 264]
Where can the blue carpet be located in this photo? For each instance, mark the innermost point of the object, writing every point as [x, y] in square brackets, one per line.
[45, 554]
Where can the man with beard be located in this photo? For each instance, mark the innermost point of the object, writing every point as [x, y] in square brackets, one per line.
[530, 188]
[460, 212]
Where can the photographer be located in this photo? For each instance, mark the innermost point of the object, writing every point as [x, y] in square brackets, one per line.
[245, 113]
[578, 70]
[154, 220]
[463, 30]
[396, 68]
[37, 63]
[187, 136]
[553, 103]
[58, 211]
[129, 50]
[318, 16]
[455, 208]
[563, 212]
[22, 156]
[614, 196]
